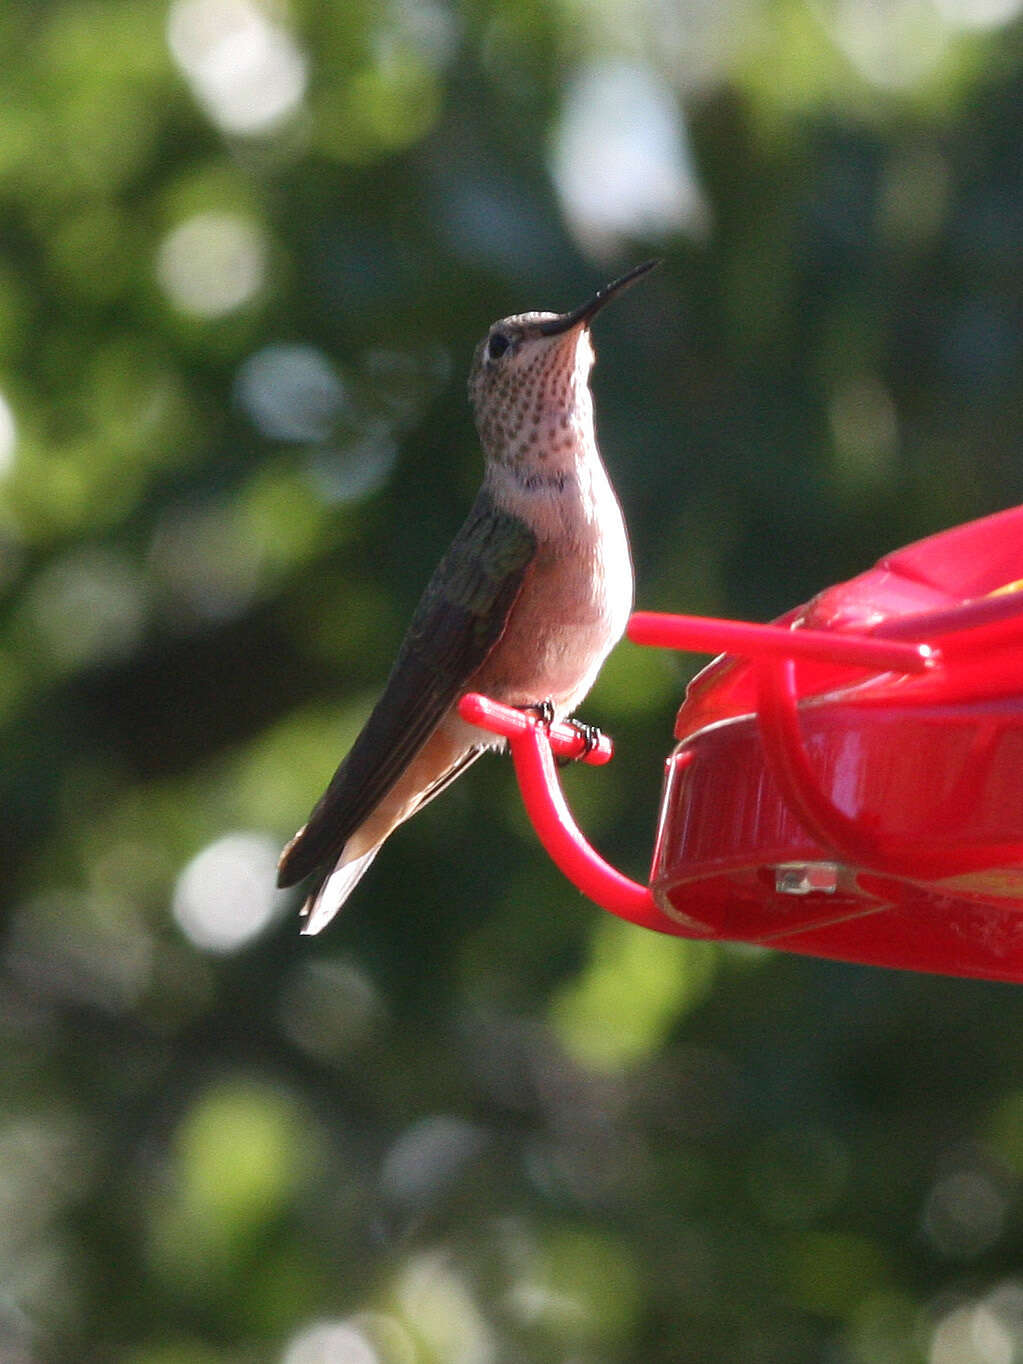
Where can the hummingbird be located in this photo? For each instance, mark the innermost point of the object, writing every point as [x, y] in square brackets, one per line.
[525, 606]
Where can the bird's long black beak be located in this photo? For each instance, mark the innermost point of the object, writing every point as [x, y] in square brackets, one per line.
[584, 315]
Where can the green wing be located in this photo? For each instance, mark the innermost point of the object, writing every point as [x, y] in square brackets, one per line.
[459, 619]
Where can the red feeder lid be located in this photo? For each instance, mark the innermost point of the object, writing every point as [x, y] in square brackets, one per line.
[873, 817]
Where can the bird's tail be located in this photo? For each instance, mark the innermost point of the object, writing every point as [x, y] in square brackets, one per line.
[334, 890]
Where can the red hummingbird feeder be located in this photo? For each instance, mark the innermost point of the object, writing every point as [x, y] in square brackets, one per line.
[847, 782]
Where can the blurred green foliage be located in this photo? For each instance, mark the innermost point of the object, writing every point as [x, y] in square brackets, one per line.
[246, 250]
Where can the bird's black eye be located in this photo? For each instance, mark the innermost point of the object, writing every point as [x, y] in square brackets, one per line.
[497, 345]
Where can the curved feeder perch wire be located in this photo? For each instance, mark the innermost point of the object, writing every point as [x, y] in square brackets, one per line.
[847, 782]
[533, 750]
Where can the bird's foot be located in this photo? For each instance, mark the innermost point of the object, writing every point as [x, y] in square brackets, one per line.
[543, 710]
[591, 736]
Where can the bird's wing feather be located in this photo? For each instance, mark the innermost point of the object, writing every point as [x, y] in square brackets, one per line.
[460, 617]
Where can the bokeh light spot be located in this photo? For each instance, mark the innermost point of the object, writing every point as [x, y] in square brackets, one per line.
[965, 1214]
[89, 948]
[893, 46]
[8, 436]
[330, 1343]
[632, 990]
[391, 103]
[244, 69]
[428, 1158]
[202, 563]
[979, 14]
[212, 264]
[239, 1154]
[439, 1306]
[87, 607]
[584, 1286]
[226, 895]
[330, 1008]
[986, 1332]
[621, 160]
[365, 1338]
[291, 392]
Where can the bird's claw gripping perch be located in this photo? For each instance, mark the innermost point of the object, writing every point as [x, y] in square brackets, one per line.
[543, 710]
[569, 739]
[591, 737]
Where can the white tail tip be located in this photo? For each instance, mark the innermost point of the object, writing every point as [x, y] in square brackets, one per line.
[320, 908]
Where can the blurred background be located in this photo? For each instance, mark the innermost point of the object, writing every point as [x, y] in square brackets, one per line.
[246, 249]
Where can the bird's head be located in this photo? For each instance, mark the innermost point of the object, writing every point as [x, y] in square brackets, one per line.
[528, 382]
